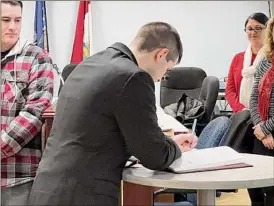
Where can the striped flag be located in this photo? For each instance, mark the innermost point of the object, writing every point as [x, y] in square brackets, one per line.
[40, 25]
[83, 33]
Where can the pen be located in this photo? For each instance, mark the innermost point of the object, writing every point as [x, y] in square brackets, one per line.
[194, 127]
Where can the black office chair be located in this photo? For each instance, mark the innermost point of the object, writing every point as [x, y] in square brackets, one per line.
[209, 94]
[188, 80]
[65, 73]
[181, 80]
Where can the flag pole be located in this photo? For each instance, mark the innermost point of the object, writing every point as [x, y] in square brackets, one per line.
[46, 25]
[91, 51]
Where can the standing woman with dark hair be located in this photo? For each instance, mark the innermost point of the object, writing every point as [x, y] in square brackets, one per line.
[242, 68]
[262, 113]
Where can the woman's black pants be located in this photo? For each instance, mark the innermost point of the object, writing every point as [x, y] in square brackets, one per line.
[262, 196]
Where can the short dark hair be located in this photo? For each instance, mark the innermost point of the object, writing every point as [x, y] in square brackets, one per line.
[14, 3]
[259, 17]
[160, 35]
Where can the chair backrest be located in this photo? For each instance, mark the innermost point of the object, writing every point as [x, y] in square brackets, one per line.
[214, 133]
[209, 94]
[65, 73]
[181, 80]
[67, 70]
[240, 135]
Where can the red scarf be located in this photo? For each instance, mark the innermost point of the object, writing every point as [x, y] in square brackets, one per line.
[265, 90]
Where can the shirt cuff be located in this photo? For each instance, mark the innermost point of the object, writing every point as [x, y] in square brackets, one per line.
[264, 129]
[178, 152]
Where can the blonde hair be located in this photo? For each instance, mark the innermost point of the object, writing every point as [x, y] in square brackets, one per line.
[269, 44]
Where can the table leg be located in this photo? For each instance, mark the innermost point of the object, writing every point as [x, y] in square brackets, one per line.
[206, 197]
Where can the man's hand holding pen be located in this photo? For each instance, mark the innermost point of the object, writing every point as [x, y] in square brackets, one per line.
[186, 141]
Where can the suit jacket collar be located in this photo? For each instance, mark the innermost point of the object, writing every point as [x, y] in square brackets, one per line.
[125, 50]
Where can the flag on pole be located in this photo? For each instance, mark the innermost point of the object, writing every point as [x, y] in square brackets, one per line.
[40, 25]
[83, 33]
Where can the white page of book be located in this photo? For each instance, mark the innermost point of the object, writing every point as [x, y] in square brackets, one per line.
[206, 158]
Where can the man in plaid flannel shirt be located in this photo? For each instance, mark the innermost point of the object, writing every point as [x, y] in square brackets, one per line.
[26, 91]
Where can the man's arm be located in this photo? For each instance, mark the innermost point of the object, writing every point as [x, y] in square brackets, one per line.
[28, 123]
[137, 119]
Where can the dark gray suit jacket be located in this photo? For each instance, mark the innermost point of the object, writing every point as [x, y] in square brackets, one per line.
[106, 113]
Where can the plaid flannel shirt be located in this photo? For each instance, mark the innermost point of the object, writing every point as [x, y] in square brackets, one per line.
[26, 91]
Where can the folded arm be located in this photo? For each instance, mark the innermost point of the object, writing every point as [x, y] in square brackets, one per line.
[268, 125]
[24, 127]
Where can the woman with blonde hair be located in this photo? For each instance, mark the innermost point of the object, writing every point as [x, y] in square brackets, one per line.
[262, 113]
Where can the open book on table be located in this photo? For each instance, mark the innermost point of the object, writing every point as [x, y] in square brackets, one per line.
[208, 159]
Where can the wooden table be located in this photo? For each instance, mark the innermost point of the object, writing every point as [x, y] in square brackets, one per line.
[138, 182]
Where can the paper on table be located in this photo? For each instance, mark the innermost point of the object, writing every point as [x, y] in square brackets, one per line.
[208, 159]
[167, 122]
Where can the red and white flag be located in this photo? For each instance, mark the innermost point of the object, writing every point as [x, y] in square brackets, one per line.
[83, 33]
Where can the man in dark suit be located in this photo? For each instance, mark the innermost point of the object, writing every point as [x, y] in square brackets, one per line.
[106, 112]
